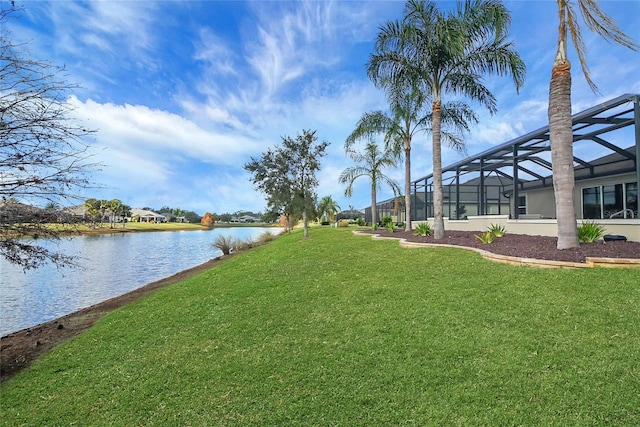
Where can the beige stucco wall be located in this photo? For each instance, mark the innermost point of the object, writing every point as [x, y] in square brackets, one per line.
[540, 202]
[630, 228]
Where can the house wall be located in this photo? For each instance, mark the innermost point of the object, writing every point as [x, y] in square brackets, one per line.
[616, 179]
[542, 201]
[630, 228]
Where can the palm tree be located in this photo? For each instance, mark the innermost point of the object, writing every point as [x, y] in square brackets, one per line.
[407, 118]
[560, 124]
[328, 207]
[114, 206]
[447, 54]
[370, 164]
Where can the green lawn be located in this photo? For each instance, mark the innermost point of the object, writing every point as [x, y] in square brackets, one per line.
[341, 330]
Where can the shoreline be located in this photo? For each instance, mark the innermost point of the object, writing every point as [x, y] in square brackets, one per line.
[21, 348]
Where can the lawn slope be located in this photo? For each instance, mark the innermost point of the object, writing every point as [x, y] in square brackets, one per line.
[344, 330]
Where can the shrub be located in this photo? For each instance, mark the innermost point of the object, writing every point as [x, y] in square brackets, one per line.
[589, 232]
[486, 237]
[208, 220]
[266, 237]
[386, 220]
[423, 229]
[497, 230]
[324, 223]
[225, 244]
[390, 227]
[243, 245]
[343, 223]
[360, 222]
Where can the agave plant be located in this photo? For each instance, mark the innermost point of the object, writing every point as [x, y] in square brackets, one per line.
[423, 229]
[497, 230]
[486, 237]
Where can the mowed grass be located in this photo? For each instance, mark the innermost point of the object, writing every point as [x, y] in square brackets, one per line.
[342, 330]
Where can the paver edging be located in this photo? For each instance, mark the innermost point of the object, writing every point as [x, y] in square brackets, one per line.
[543, 263]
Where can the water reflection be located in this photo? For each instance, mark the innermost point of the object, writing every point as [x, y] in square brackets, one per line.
[111, 264]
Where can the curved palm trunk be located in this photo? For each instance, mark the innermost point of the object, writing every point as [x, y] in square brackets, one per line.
[438, 226]
[407, 188]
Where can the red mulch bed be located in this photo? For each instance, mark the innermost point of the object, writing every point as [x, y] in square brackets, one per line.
[524, 246]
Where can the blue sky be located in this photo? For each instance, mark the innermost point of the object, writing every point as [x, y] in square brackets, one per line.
[183, 94]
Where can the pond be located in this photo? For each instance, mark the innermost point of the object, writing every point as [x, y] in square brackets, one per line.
[110, 265]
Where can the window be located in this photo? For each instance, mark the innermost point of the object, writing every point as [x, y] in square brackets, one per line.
[591, 205]
[613, 200]
[607, 201]
[522, 205]
[631, 201]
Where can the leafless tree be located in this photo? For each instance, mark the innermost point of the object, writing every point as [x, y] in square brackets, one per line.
[44, 156]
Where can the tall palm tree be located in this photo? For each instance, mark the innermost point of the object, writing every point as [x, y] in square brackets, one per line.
[328, 208]
[407, 118]
[560, 124]
[448, 54]
[371, 164]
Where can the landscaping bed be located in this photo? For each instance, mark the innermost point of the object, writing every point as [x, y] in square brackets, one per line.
[524, 246]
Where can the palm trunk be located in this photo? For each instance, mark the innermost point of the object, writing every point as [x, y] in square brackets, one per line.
[438, 218]
[373, 204]
[561, 138]
[407, 187]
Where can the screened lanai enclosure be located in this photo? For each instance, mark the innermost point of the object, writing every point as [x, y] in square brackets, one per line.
[515, 178]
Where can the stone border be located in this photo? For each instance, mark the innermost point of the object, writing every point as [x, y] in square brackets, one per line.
[543, 263]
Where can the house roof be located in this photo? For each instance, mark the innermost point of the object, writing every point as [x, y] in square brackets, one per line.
[145, 213]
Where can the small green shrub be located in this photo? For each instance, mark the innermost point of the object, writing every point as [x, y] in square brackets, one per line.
[590, 231]
[225, 244]
[386, 220]
[423, 229]
[486, 237]
[359, 222]
[390, 227]
[497, 230]
[343, 223]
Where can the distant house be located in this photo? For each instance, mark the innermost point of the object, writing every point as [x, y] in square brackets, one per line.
[349, 214]
[247, 218]
[16, 212]
[78, 212]
[147, 216]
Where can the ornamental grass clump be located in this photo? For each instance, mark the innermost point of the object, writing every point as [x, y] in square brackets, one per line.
[590, 231]
[225, 244]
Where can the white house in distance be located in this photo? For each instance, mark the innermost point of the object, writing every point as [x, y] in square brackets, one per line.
[147, 215]
[512, 183]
